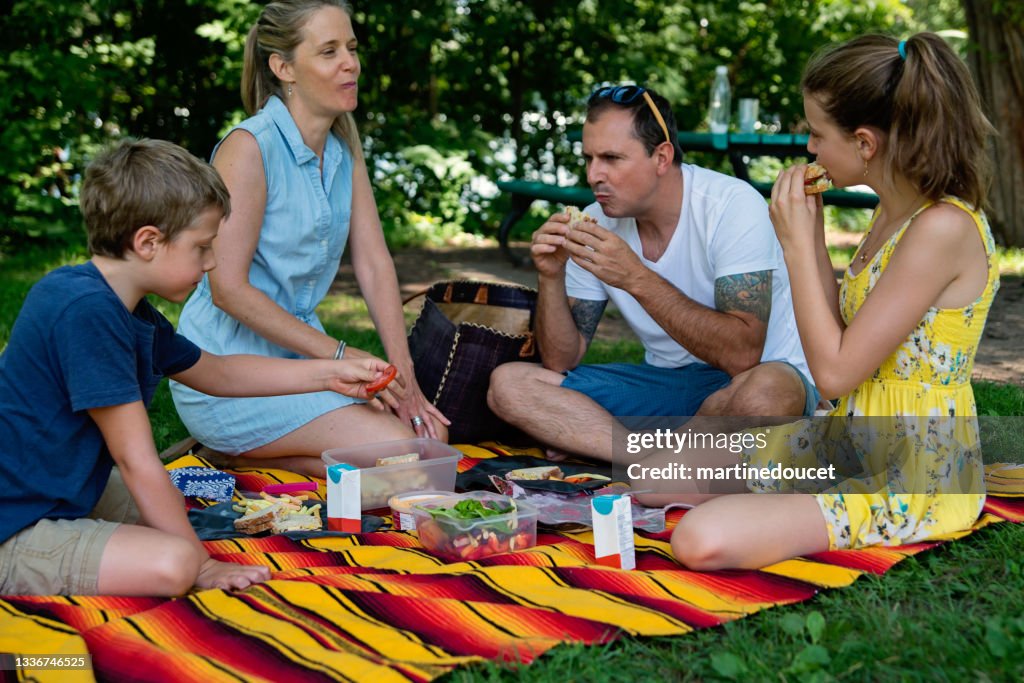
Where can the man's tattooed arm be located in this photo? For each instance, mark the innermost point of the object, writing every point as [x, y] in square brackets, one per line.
[747, 292]
[587, 313]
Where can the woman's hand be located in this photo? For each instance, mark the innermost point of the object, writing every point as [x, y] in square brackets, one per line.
[795, 214]
[432, 423]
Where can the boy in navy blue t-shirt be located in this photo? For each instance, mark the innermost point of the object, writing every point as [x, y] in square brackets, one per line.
[83, 361]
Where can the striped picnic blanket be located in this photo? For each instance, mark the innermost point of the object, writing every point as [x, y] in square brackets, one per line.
[378, 607]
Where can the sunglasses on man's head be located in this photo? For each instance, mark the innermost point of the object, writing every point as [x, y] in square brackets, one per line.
[620, 94]
[628, 94]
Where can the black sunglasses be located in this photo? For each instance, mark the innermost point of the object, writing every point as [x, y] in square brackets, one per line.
[628, 94]
[620, 94]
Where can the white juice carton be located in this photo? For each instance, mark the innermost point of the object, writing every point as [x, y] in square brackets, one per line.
[613, 531]
[343, 509]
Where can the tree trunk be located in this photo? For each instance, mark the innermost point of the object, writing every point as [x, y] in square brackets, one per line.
[996, 58]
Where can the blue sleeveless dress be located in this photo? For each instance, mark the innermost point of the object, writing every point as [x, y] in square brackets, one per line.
[304, 232]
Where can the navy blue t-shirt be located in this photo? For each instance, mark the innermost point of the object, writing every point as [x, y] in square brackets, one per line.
[73, 347]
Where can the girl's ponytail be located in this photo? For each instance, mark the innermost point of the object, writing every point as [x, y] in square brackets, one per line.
[938, 129]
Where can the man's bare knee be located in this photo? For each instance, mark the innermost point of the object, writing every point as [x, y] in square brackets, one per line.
[504, 382]
[771, 389]
[511, 381]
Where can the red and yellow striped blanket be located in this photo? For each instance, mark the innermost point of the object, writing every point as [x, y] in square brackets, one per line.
[377, 607]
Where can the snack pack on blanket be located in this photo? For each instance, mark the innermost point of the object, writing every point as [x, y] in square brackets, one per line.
[203, 482]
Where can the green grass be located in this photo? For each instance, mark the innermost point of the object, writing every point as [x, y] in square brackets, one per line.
[948, 614]
[1011, 260]
[945, 615]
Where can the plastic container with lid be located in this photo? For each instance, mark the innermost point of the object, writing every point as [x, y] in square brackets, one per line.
[470, 539]
[402, 516]
[433, 471]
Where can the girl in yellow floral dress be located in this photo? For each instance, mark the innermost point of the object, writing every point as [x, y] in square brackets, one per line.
[897, 339]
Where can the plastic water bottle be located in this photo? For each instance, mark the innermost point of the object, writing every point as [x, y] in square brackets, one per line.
[720, 107]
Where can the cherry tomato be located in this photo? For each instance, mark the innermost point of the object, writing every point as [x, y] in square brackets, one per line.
[431, 535]
[377, 386]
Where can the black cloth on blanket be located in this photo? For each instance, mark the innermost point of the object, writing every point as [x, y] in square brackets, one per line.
[479, 476]
[218, 522]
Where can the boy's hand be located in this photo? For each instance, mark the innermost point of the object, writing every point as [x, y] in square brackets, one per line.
[230, 576]
[367, 378]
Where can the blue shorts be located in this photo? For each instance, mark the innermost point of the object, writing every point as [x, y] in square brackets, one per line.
[645, 390]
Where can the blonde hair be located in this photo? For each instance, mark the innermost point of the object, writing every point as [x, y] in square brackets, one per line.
[139, 182]
[279, 31]
[926, 104]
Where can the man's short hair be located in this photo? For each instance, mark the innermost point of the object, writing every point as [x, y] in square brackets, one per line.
[139, 182]
[646, 127]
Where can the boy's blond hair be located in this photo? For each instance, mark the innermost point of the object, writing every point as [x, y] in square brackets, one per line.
[139, 182]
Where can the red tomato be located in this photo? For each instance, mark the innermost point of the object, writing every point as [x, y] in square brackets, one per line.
[495, 546]
[431, 535]
[377, 386]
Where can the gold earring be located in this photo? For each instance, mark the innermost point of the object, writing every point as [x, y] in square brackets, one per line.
[865, 168]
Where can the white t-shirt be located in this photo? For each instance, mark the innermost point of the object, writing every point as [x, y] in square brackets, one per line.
[723, 230]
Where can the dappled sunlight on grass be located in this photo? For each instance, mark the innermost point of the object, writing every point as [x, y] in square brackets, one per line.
[345, 311]
[1011, 260]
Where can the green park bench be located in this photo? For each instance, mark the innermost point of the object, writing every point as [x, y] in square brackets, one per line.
[739, 147]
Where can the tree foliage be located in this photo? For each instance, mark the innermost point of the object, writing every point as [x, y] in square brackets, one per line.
[455, 94]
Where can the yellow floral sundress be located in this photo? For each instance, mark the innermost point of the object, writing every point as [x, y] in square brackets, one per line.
[916, 462]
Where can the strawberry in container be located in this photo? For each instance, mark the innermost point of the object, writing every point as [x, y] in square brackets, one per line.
[475, 525]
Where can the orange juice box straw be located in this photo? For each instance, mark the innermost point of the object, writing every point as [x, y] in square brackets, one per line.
[343, 508]
[613, 531]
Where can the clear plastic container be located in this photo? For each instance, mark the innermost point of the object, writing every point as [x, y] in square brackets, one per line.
[434, 471]
[402, 517]
[466, 540]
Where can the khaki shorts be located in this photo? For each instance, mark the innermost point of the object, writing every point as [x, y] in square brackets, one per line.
[62, 556]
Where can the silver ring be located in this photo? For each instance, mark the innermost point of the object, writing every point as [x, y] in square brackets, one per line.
[417, 421]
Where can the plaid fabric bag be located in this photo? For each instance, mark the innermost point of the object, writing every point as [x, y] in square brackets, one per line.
[465, 330]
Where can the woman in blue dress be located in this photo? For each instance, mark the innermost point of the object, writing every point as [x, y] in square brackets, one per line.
[299, 192]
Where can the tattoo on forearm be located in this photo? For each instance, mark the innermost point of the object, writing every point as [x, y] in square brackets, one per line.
[587, 314]
[747, 292]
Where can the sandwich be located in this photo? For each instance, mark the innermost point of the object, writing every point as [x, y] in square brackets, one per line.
[295, 522]
[576, 217]
[258, 520]
[816, 179]
[536, 473]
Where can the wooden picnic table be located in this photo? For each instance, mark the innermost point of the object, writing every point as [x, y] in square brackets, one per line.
[740, 148]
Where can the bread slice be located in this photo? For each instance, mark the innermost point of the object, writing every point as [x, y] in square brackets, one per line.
[536, 473]
[398, 459]
[577, 217]
[258, 520]
[296, 523]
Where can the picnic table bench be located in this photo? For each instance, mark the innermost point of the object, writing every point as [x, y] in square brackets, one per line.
[738, 147]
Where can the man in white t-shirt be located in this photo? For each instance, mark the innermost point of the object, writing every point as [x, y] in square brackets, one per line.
[690, 258]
